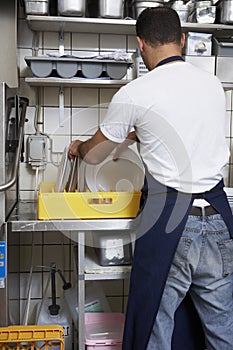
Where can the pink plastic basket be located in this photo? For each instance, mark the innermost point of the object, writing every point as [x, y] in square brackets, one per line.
[104, 331]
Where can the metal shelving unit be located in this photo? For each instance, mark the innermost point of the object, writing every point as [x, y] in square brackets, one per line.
[24, 219]
[75, 82]
[111, 26]
[105, 26]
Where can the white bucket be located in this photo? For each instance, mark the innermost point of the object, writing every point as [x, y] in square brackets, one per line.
[62, 318]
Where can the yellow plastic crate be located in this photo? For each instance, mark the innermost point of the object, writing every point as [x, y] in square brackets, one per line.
[86, 205]
[32, 337]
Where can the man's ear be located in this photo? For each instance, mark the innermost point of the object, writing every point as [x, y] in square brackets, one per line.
[140, 44]
[182, 41]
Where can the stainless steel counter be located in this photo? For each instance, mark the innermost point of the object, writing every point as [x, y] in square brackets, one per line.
[24, 218]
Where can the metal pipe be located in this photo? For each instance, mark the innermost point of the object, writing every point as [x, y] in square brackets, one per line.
[23, 103]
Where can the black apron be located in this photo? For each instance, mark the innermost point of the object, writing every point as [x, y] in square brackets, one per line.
[160, 226]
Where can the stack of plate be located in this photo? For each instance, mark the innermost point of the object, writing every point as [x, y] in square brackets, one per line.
[67, 174]
[123, 175]
[63, 172]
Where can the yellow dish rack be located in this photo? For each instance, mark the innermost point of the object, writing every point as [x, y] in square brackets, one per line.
[86, 205]
[32, 337]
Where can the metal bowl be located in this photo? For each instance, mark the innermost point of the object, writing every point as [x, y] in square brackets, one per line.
[139, 6]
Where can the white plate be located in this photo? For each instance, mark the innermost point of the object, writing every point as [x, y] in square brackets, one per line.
[125, 174]
[63, 172]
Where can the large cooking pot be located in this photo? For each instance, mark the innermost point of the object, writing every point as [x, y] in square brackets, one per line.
[226, 11]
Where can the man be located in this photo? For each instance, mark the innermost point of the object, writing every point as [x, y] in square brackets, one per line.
[184, 247]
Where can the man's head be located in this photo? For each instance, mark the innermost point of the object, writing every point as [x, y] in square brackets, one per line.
[159, 26]
[159, 35]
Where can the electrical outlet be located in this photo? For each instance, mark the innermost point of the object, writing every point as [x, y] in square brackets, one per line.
[36, 150]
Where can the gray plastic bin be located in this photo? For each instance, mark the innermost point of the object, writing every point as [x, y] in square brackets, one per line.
[223, 47]
[68, 67]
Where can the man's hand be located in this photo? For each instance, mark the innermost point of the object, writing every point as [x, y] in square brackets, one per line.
[73, 149]
[94, 150]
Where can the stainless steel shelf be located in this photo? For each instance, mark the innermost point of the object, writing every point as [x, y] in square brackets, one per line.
[75, 82]
[81, 25]
[24, 218]
[111, 26]
[227, 86]
[218, 30]
[94, 271]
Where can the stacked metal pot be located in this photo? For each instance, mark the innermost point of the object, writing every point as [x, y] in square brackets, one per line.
[139, 6]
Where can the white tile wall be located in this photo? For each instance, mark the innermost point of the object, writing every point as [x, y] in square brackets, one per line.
[59, 143]
[54, 124]
[105, 96]
[84, 110]
[85, 41]
[82, 97]
[111, 42]
[84, 121]
[50, 97]
[51, 41]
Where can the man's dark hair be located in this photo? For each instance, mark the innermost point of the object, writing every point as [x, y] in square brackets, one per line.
[158, 26]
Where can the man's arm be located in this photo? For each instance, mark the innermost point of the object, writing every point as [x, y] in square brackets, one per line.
[94, 150]
[130, 139]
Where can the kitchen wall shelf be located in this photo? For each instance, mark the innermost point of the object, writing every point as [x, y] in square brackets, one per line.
[94, 271]
[227, 86]
[81, 25]
[111, 26]
[72, 82]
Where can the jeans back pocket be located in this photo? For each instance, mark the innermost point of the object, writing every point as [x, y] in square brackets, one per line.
[180, 256]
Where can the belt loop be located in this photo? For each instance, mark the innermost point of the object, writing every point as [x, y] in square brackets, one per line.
[203, 211]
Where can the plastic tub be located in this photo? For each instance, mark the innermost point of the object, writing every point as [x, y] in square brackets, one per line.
[113, 248]
[104, 331]
[86, 205]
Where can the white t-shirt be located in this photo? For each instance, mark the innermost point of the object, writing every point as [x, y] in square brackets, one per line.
[178, 112]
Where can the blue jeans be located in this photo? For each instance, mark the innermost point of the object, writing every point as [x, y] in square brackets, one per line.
[202, 267]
